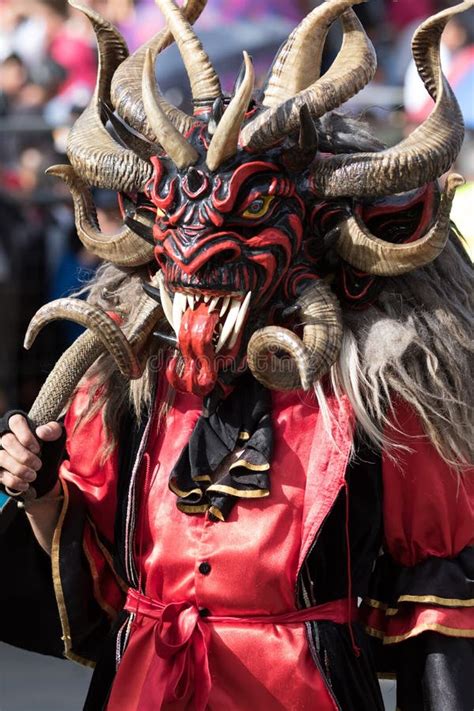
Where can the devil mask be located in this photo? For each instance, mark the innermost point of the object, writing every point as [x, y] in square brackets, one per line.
[228, 202]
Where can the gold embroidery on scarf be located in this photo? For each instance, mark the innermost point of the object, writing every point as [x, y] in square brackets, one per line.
[242, 494]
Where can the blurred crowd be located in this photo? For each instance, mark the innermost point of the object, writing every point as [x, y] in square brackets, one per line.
[47, 74]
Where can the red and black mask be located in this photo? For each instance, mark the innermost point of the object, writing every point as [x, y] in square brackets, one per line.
[255, 212]
[225, 243]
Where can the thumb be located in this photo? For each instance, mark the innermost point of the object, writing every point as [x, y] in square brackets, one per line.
[50, 432]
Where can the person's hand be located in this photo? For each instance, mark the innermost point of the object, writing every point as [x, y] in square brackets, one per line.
[20, 452]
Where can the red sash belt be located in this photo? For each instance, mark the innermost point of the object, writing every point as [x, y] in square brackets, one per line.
[182, 638]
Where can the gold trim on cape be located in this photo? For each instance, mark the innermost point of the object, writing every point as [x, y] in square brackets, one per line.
[58, 587]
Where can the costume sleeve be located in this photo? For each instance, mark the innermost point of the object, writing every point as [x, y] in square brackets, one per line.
[420, 605]
[89, 593]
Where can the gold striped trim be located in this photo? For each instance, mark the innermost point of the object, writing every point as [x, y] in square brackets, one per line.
[375, 603]
[242, 494]
[244, 435]
[108, 557]
[248, 465]
[448, 631]
[189, 508]
[58, 587]
[373, 632]
[215, 512]
[442, 601]
[96, 585]
[203, 477]
[183, 494]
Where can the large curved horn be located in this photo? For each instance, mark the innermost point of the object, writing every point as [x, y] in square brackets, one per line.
[226, 137]
[374, 256]
[298, 63]
[125, 249]
[76, 361]
[97, 321]
[126, 89]
[352, 69]
[422, 157]
[205, 85]
[173, 142]
[93, 153]
[310, 358]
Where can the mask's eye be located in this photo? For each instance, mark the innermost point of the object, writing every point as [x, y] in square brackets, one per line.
[259, 207]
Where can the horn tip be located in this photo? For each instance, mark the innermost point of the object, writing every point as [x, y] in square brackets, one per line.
[79, 6]
[58, 171]
[30, 335]
[453, 181]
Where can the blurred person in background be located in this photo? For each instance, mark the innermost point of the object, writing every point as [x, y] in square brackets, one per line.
[66, 45]
[457, 53]
[457, 56]
[140, 20]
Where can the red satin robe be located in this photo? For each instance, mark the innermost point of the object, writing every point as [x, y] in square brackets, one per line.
[251, 561]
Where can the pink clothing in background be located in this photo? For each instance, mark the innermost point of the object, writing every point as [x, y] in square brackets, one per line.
[403, 12]
[148, 18]
[77, 58]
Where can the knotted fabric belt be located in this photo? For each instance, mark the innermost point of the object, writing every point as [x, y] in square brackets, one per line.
[182, 637]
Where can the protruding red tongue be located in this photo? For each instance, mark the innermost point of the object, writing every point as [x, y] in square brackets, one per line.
[195, 343]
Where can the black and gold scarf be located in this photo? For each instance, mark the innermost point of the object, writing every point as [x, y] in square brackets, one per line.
[243, 420]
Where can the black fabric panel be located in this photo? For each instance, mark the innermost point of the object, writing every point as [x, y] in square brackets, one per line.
[29, 616]
[451, 578]
[351, 678]
[104, 672]
[324, 573]
[130, 436]
[435, 673]
[89, 625]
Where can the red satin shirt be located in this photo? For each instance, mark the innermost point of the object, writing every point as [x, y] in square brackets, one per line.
[244, 567]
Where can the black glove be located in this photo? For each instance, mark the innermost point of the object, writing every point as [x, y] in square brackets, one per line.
[51, 455]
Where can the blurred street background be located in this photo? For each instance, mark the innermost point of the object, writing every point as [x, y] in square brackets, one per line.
[47, 74]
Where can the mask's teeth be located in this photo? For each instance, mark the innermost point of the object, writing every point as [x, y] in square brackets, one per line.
[179, 307]
[240, 319]
[213, 304]
[191, 302]
[225, 304]
[229, 323]
[206, 299]
[166, 302]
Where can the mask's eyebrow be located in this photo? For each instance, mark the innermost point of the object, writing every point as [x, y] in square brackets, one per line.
[225, 195]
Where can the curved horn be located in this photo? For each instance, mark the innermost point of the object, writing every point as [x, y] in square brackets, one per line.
[139, 145]
[173, 142]
[374, 256]
[226, 137]
[298, 63]
[97, 321]
[422, 157]
[310, 358]
[126, 87]
[352, 69]
[93, 153]
[205, 85]
[124, 249]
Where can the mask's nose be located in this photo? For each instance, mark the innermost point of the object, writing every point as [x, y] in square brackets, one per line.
[193, 255]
